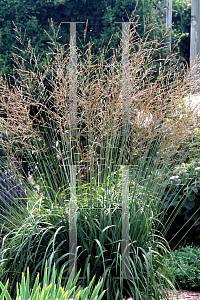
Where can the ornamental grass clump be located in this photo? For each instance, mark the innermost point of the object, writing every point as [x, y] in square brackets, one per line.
[36, 132]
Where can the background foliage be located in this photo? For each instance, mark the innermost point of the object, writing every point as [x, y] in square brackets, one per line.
[184, 263]
[182, 183]
[34, 17]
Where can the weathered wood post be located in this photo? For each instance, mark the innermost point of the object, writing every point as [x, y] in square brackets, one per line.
[125, 247]
[167, 16]
[169, 20]
[195, 39]
[73, 132]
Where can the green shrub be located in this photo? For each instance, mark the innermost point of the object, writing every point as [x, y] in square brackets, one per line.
[183, 186]
[184, 264]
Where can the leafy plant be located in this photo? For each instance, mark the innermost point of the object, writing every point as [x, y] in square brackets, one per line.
[51, 289]
[184, 263]
[181, 18]
[44, 235]
[182, 184]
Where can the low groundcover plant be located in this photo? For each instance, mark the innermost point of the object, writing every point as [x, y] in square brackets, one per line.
[184, 263]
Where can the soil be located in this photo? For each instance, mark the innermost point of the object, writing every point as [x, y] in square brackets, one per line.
[182, 295]
[185, 295]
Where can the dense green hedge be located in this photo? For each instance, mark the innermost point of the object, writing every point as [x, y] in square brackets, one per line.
[182, 22]
[34, 16]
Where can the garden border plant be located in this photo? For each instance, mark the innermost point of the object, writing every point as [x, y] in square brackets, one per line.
[39, 231]
[184, 263]
[51, 289]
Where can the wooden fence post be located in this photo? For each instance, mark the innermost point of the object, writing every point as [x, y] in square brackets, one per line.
[169, 20]
[195, 38]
